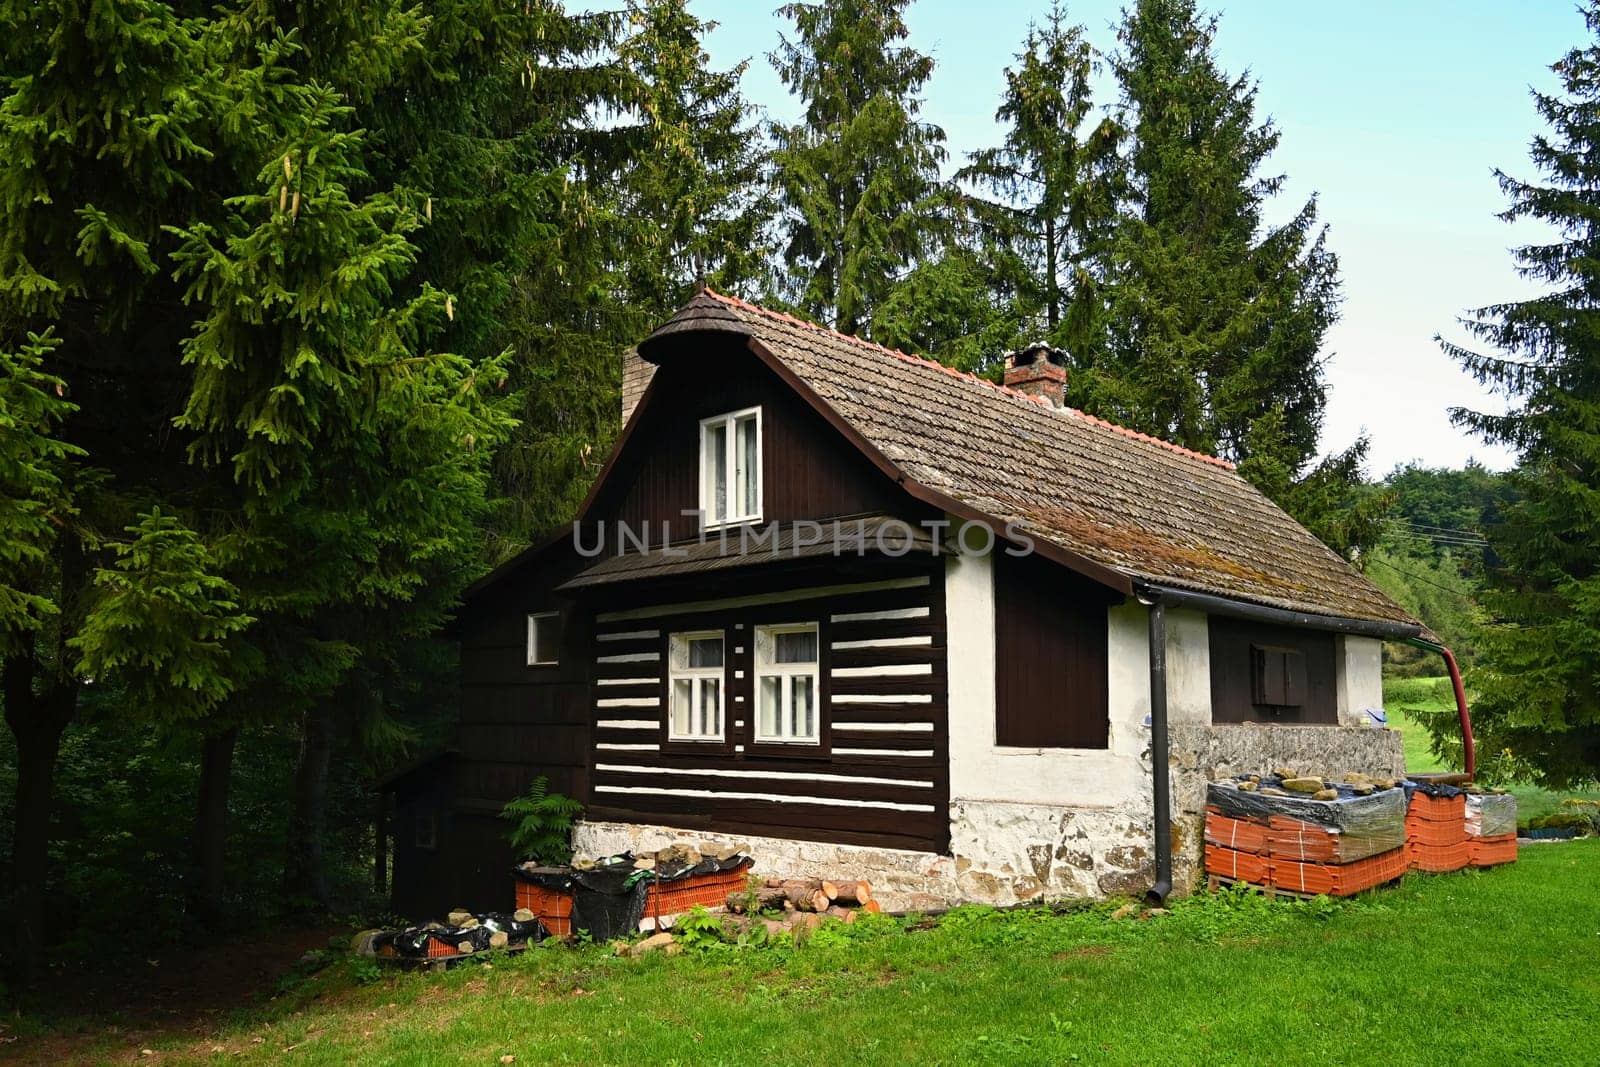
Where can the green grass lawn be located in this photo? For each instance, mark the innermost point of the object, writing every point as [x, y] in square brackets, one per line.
[1433, 695]
[1477, 967]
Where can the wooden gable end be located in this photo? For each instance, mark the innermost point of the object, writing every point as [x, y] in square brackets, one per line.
[809, 471]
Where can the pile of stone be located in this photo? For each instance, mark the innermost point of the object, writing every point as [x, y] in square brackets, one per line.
[667, 860]
[1306, 834]
[779, 907]
[463, 933]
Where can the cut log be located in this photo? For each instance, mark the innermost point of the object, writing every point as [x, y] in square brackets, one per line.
[765, 898]
[849, 893]
[801, 894]
[807, 896]
[844, 915]
[872, 906]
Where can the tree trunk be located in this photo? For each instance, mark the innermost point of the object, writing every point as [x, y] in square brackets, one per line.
[37, 723]
[208, 882]
[380, 845]
[1052, 285]
[305, 874]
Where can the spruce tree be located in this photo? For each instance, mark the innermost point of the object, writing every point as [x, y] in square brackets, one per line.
[1538, 690]
[695, 202]
[269, 435]
[1051, 185]
[1215, 319]
[858, 176]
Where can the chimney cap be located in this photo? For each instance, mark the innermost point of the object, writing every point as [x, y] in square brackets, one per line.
[1029, 354]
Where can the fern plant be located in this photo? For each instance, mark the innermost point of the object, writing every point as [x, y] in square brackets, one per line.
[541, 823]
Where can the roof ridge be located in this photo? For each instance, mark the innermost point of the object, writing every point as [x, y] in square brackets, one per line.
[793, 320]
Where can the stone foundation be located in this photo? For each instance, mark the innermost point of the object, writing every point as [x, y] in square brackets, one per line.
[1009, 852]
[901, 880]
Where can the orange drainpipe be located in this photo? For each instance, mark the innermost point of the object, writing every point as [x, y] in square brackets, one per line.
[1469, 755]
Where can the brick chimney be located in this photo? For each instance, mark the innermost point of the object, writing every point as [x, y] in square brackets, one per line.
[1038, 370]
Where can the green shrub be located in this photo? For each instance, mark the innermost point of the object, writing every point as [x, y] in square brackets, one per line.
[542, 823]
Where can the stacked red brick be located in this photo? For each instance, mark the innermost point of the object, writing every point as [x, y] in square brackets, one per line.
[1336, 845]
[1448, 828]
[1436, 829]
[1491, 829]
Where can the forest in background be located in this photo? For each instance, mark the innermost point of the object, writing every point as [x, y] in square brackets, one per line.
[308, 318]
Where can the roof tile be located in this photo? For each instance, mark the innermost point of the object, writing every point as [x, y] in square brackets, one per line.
[1147, 508]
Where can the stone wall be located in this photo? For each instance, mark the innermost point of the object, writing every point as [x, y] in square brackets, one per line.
[901, 880]
[1007, 852]
[1201, 754]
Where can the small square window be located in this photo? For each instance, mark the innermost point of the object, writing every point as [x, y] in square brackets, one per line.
[1277, 676]
[544, 639]
[427, 830]
[695, 670]
[730, 468]
[787, 684]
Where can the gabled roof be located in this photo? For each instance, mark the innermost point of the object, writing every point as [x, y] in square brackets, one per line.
[1119, 504]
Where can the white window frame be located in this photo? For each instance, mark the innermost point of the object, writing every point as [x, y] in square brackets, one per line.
[762, 671]
[729, 423]
[695, 676]
[534, 618]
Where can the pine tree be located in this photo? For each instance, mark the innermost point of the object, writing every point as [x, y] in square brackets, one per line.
[1216, 320]
[858, 176]
[1538, 691]
[1053, 185]
[694, 194]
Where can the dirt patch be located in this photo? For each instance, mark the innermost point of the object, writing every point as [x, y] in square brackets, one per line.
[129, 1003]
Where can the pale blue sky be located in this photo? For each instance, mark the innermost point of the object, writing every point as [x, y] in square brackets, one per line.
[1395, 113]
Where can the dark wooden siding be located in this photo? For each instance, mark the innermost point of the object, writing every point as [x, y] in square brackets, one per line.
[1050, 656]
[1231, 672]
[516, 723]
[880, 776]
[808, 470]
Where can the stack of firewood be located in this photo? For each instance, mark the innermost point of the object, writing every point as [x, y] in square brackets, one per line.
[798, 897]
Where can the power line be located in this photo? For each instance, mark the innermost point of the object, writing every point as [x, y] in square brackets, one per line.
[1439, 529]
[1419, 578]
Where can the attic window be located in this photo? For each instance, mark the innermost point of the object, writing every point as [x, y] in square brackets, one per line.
[730, 468]
[1277, 676]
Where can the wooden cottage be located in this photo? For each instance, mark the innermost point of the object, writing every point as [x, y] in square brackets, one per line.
[869, 614]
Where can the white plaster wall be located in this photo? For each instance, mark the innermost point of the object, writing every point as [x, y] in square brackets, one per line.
[983, 770]
[1188, 666]
[1031, 822]
[1360, 679]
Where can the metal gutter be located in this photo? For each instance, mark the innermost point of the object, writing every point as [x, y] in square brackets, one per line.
[1239, 609]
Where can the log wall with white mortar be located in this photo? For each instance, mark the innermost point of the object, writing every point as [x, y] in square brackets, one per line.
[1037, 823]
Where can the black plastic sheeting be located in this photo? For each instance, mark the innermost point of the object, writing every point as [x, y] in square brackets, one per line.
[608, 899]
[1431, 789]
[412, 942]
[1369, 824]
